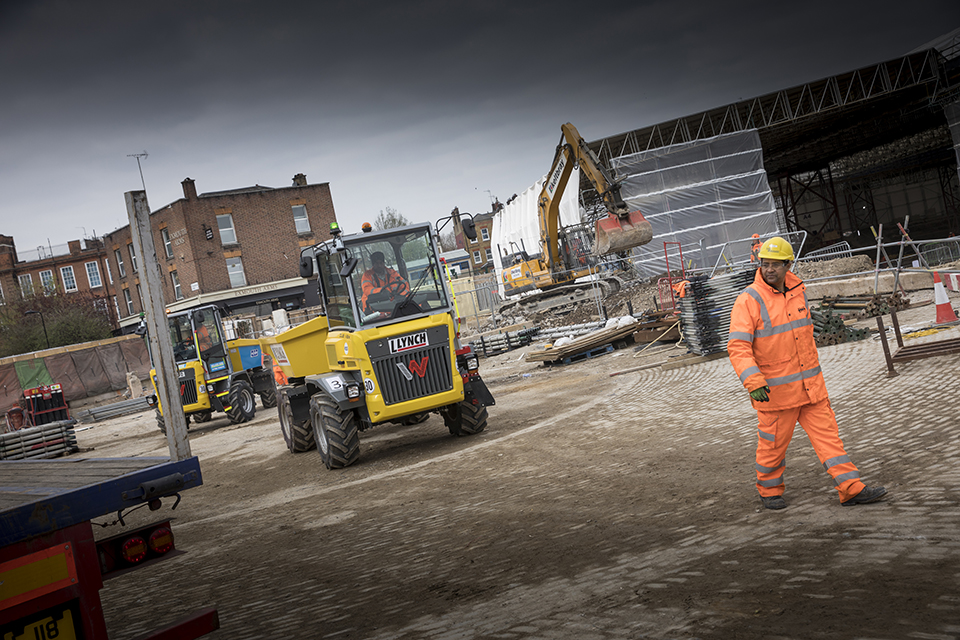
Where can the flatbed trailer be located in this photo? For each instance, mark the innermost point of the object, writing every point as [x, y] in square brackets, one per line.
[52, 568]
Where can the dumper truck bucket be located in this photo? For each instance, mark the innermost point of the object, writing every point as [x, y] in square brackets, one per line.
[619, 234]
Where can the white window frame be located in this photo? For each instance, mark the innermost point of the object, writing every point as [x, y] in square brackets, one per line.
[48, 284]
[128, 299]
[93, 275]
[474, 240]
[298, 219]
[2, 299]
[228, 235]
[476, 258]
[25, 278]
[133, 257]
[120, 268]
[177, 291]
[106, 263]
[234, 283]
[484, 233]
[116, 306]
[489, 254]
[167, 244]
[67, 276]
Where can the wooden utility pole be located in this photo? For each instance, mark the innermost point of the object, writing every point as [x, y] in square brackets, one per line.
[168, 383]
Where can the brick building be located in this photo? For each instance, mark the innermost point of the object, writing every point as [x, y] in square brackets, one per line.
[480, 250]
[239, 249]
[69, 268]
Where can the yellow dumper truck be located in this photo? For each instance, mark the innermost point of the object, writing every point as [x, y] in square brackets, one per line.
[215, 374]
[386, 350]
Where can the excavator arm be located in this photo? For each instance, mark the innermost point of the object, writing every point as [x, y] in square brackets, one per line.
[622, 229]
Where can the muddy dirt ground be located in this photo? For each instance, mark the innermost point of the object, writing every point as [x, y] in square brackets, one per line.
[591, 507]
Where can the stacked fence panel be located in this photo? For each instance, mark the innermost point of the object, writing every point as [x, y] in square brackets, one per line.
[705, 309]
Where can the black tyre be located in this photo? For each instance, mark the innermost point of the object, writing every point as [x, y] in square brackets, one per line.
[268, 397]
[298, 435]
[161, 423]
[465, 418]
[335, 431]
[241, 401]
[202, 416]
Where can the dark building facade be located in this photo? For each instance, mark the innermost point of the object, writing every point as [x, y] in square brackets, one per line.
[238, 249]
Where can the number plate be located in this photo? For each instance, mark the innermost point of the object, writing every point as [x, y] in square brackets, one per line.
[56, 627]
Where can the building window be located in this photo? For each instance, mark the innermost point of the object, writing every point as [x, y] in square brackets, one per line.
[120, 269]
[116, 306]
[2, 302]
[69, 282]
[484, 233]
[476, 257]
[474, 241]
[489, 254]
[175, 279]
[47, 282]
[300, 218]
[133, 257]
[93, 275]
[143, 307]
[235, 271]
[167, 245]
[228, 234]
[106, 263]
[26, 284]
[129, 301]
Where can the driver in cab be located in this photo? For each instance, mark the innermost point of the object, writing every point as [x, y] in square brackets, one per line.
[381, 279]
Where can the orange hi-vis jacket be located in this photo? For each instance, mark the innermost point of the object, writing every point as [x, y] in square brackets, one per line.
[771, 344]
[371, 283]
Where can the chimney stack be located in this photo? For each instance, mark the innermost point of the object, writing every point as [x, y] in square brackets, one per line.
[189, 189]
[300, 180]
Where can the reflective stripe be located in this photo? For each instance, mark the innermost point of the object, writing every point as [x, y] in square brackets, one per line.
[766, 436]
[784, 328]
[763, 469]
[753, 293]
[740, 335]
[843, 477]
[749, 371]
[794, 377]
[770, 483]
[832, 462]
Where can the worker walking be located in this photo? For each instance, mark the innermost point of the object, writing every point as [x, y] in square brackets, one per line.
[772, 349]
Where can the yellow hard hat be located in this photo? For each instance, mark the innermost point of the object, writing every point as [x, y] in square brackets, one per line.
[776, 248]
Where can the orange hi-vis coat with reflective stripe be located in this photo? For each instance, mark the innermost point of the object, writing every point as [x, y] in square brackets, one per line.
[771, 344]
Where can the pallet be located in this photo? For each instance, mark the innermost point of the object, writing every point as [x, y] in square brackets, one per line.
[595, 352]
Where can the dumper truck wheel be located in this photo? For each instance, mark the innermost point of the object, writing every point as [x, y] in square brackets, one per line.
[268, 397]
[336, 431]
[297, 435]
[241, 401]
[464, 418]
[202, 416]
[162, 423]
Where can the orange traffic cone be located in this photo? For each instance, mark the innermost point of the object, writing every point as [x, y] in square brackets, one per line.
[945, 312]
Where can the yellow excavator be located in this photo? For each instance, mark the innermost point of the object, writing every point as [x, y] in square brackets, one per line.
[569, 253]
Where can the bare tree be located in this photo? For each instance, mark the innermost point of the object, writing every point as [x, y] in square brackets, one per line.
[389, 219]
[448, 241]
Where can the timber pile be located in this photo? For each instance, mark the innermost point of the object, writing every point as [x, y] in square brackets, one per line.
[597, 342]
[867, 306]
[830, 328]
[705, 309]
[46, 441]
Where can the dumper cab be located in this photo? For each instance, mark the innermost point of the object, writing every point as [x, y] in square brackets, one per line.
[386, 349]
[215, 374]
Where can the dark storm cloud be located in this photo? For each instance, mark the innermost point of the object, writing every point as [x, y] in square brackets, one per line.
[420, 106]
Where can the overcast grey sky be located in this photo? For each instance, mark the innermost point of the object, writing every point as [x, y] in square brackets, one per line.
[419, 106]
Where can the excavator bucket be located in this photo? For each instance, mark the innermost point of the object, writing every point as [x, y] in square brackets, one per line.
[616, 234]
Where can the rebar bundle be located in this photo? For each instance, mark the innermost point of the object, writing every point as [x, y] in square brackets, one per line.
[46, 441]
[867, 306]
[705, 309]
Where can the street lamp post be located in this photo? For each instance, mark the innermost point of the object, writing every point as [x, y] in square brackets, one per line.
[40, 313]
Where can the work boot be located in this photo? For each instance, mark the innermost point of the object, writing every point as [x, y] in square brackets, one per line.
[868, 494]
[773, 502]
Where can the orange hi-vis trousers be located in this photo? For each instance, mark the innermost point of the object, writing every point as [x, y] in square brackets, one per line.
[775, 430]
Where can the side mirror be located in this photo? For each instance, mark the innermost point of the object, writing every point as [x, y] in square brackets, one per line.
[348, 267]
[469, 228]
[306, 266]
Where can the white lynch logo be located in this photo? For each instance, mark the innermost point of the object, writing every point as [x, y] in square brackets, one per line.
[406, 343]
